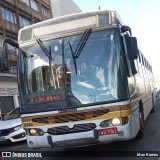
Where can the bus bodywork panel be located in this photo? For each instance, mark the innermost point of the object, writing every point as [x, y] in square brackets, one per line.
[82, 138]
[76, 82]
[85, 132]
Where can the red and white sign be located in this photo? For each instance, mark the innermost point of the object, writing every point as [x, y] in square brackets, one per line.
[107, 131]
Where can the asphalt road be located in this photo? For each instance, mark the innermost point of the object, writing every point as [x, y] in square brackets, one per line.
[150, 142]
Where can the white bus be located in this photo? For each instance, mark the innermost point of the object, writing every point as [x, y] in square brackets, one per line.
[82, 81]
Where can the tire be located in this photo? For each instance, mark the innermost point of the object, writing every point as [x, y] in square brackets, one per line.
[140, 133]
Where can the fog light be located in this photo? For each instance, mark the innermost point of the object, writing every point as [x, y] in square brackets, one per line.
[40, 132]
[23, 135]
[105, 123]
[116, 122]
[121, 133]
[31, 143]
[32, 131]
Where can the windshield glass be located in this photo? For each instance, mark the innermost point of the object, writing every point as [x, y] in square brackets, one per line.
[14, 114]
[42, 86]
[99, 74]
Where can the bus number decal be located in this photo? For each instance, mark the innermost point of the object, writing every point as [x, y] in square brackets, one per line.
[28, 124]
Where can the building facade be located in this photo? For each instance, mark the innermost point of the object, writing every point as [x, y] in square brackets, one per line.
[64, 7]
[14, 15]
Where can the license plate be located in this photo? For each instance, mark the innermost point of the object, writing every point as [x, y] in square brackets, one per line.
[2, 139]
[107, 131]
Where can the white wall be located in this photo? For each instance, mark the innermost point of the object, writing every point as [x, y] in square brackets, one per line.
[4, 84]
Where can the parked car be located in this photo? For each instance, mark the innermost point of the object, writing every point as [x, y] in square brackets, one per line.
[11, 127]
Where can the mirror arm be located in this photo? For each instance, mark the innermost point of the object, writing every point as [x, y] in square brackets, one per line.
[11, 42]
[125, 29]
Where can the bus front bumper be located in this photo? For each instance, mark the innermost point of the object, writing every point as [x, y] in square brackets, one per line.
[79, 139]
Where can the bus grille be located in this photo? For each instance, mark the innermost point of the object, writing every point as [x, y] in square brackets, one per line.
[70, 117]
[76, 129]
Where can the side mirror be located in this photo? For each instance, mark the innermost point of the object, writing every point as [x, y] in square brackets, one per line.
[132, 47]
[132, 53]
[4, 61]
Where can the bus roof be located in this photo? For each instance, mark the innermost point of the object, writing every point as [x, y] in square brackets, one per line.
[68, 23]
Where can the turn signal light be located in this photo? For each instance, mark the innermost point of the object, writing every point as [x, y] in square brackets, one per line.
[125, 120]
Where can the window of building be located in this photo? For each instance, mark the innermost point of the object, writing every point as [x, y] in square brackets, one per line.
[9, 1]
[25, 1]
[23, 21]
[36, 20]
[35, 5]
[45, 11]
[8, 15]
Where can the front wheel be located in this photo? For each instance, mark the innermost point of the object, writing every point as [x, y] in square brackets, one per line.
[140, 133]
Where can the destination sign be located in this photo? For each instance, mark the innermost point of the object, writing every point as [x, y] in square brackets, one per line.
[44, 98]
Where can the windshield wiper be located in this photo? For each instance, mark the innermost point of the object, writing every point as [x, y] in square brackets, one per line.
[73, 57]
[82, 42]
[80, 46]
[44, 49]
[50, 58]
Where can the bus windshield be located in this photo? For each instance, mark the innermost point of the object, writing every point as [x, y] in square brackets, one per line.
[97, 78]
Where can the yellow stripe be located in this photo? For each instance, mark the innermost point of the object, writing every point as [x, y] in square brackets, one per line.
[109, 115]
[126, 113]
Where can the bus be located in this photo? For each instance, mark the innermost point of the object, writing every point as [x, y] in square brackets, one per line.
[82, 81]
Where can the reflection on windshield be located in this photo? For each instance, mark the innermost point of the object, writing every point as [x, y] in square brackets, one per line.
[41, 75]
[80, 47]
[99, 74]
[42, 80]
[50, 59]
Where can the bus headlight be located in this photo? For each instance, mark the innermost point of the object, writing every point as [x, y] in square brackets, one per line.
[35, 132]
[32, 132]
[116, 122]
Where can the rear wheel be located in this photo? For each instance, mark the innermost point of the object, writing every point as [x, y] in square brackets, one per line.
[140, 133]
